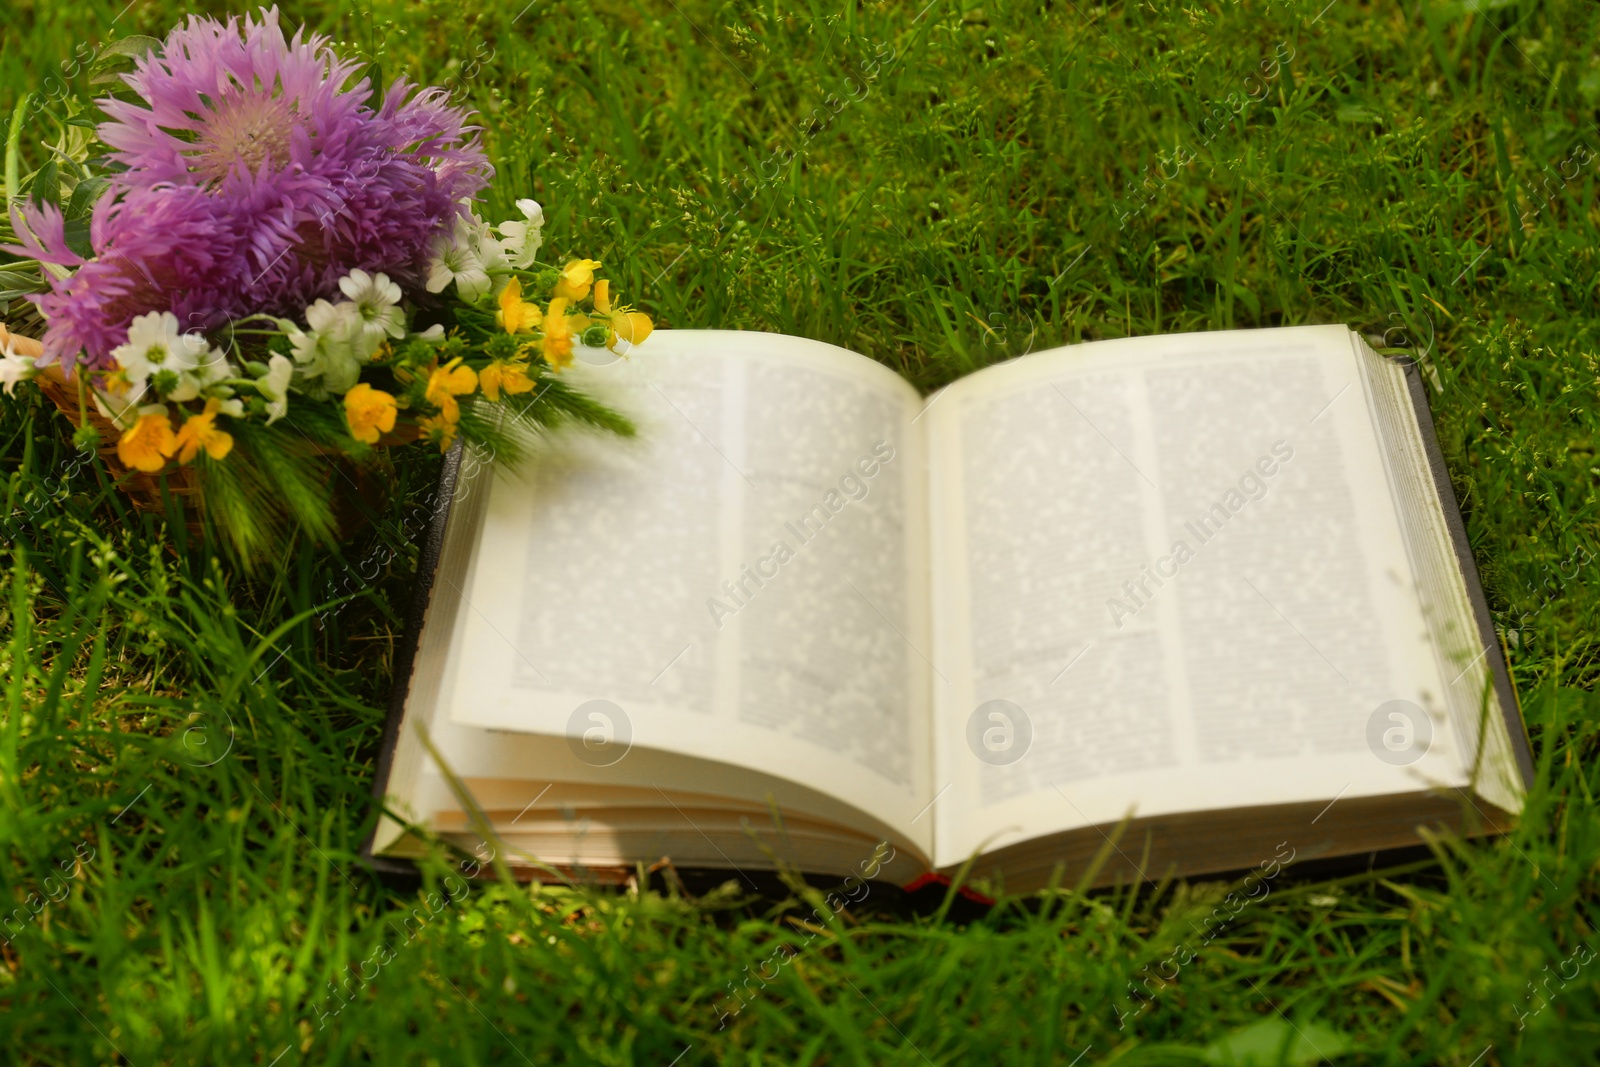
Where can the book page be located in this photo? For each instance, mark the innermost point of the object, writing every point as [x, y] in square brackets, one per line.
[1464, 643]
[499, 765]
[1168, 576]
[743, 583]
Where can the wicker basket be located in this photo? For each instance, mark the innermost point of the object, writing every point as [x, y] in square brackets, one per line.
[359, 491]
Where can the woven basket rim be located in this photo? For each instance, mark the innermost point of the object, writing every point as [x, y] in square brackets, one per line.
[18, 344]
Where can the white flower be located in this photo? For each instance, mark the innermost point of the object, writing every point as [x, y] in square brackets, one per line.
[274, 386]
[456, 259]
[375, 297]
[14, 368]
[520, 240]
[211, 366]
[328, 349]
[178, 365]
[490, 250]
[151, 339]
[340, 323]
[433, 334]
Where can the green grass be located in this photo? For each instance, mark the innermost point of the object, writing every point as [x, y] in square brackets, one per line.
[207, 743]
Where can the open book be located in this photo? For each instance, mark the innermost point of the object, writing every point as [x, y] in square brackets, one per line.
[1172, 602]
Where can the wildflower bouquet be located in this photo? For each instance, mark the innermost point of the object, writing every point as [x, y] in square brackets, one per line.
[249, 271]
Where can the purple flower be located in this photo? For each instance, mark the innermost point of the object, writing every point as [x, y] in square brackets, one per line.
[167, 249]
[256, 177]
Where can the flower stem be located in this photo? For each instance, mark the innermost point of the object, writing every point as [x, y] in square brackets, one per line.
[13, 146]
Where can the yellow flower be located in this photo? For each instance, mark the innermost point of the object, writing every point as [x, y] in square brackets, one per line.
[368, 412]
[622, 323]
[557, 342]
[446, 383]
[116, 384]
[515, 314]
[575, 279]
[502, 374]
[439, 429]
[148, 443]
[200, 431]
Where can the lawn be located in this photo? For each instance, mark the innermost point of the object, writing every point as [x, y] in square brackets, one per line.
[939, 187]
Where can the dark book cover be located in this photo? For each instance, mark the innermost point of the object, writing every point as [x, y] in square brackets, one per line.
[406, 655]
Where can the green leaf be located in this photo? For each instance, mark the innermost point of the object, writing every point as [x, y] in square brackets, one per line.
[134, 46]
[84, 196]
[118, 56]
[1277, 1043]
[76, 232]
[20, 279]
[46, 186]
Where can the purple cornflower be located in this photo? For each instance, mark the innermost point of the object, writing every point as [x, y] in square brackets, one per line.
[255, 179]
